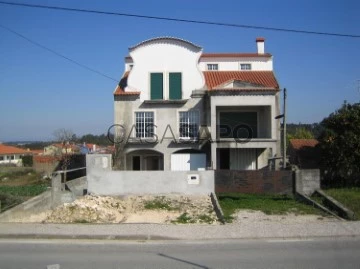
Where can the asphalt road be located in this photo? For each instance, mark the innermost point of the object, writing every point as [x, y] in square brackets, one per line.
[65, 254]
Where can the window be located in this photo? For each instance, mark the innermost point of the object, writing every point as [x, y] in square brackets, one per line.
[188, 124]
[212, 67]
[156, 86]
[175, 86]
[144, 124]
[245, 66]
[1, 158]
[238, 125]
[12, 157]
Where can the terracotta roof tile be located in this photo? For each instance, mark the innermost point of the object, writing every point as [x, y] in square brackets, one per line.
[300, 143]
[4, 149]
[263, 78]
[46, 159]
[120, 89]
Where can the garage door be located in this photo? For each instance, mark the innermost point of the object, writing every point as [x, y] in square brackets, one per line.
[188, 161]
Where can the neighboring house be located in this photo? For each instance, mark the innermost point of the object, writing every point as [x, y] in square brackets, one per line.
[37, 152]
[304, 153]
[182, 109]
[59, 149]
[12, 155]
[88, 148]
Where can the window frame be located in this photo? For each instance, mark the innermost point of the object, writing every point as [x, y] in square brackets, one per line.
[188, 118]
[247, 66]
[210, 67]
[143, 134]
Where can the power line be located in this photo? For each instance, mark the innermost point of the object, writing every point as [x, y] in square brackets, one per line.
[56, 53]
[182, 20]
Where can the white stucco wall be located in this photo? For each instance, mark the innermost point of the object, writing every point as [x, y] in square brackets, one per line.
[165, 56]
[233, 64]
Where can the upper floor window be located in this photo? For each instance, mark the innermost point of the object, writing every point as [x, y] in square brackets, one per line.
[189, 124]
[175, 86]
[212, 67]
[245, 66]
[157, 86]
[144, 124]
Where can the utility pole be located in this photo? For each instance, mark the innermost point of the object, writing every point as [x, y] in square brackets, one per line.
[284, 131]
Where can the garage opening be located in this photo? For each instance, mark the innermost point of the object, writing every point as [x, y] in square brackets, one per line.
[188, 160]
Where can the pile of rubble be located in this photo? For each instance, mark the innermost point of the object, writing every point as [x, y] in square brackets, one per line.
[135, 209]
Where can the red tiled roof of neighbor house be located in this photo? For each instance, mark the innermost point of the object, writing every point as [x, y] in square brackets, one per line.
[300, 143]
[46, 159]
[262, 78]
[4, 149]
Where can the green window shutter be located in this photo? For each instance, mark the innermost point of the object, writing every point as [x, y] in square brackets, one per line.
[175, 86]
[156, 86]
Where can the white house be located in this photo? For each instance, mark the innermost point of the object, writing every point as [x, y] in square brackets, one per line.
[177, 108]
[12, 155]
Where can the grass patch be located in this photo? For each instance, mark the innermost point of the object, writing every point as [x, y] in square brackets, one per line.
[11, 196]
[14, 172]
[206, 219]
[349, 197]
[8, 201]
[159, 203]
[31, 190]
[81, 221]
[184, 219]
[269, 204]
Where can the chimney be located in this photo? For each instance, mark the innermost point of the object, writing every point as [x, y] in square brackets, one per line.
[260, 43]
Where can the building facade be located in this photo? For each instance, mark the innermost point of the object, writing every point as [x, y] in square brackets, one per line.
[12, 155]
[177, 108]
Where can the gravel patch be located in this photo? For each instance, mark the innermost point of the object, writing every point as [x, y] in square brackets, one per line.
[252, 216]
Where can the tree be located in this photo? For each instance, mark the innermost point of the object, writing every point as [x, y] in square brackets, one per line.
[340, 144]
[65, 137]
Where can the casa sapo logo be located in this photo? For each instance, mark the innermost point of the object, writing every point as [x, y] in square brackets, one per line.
[119, 134]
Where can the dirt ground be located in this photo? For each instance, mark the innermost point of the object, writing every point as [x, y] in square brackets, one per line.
[131, 209]
[178, 209]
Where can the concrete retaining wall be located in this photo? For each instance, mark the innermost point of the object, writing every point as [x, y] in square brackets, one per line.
[35, 205]
[150, 182]
[261, 181]
[103, 181]
[77, 186]
[307, 181]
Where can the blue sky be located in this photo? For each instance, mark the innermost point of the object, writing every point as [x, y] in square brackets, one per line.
[40, 92]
